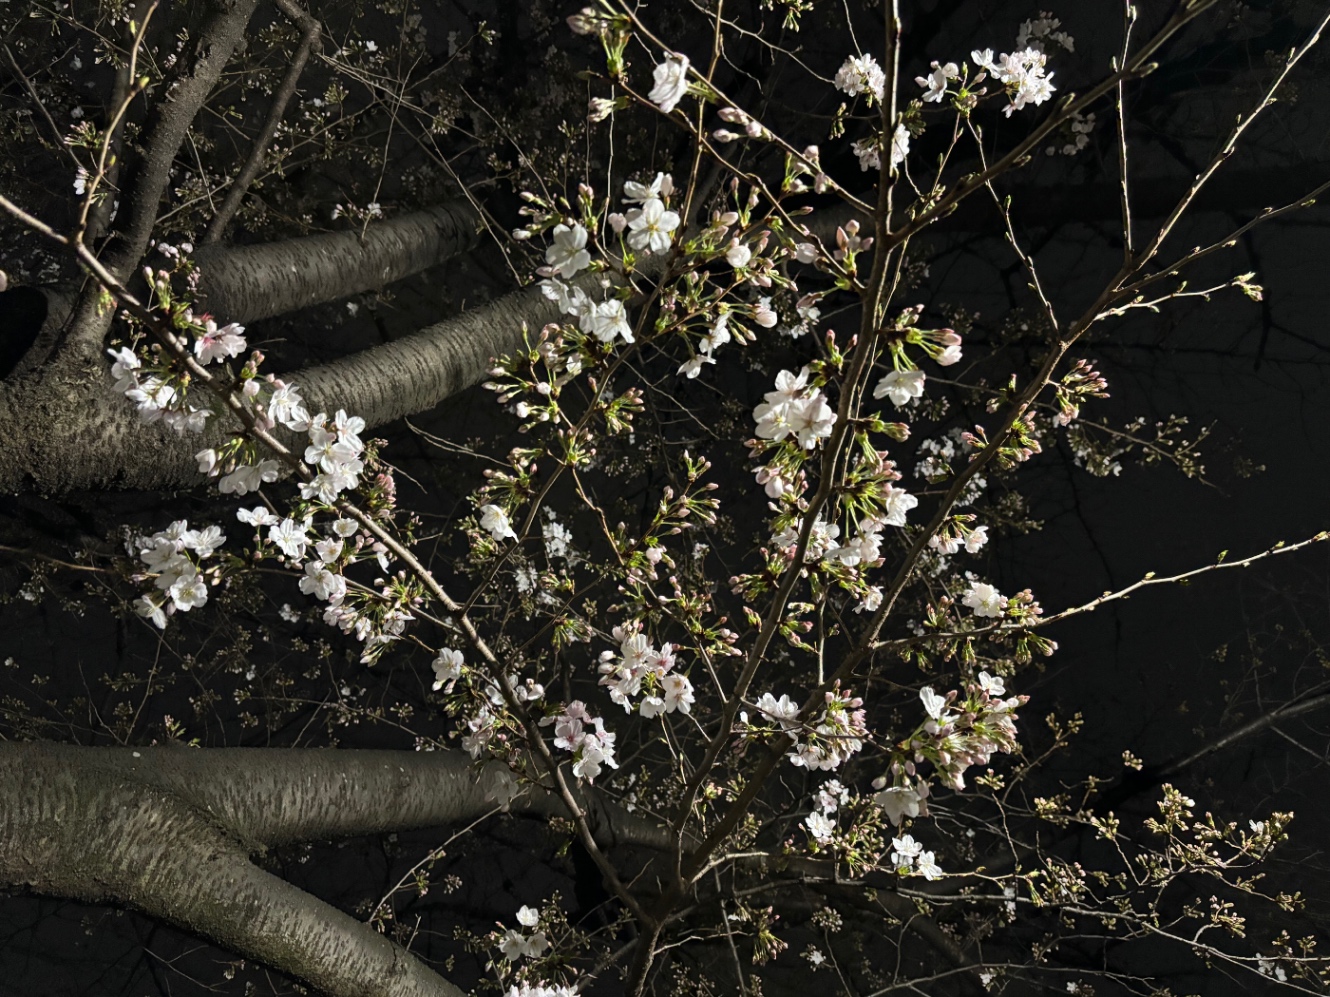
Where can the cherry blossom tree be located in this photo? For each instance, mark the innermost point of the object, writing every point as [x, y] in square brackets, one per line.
[738, 648]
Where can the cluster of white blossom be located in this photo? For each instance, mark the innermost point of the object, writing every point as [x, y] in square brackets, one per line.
[707, 346]
[962, 731]
[335, 451]
[651, 225]
[1037, 32]
[585, 736]
[955, 534]
[606, 320]
[323, 578]
[794, 410]
[1077, 130]
[861, 74]
[821, 539]
[539, 990]
[1021, 72]
[639, 664]
[908, 856]
[822, 743]
[650, 229]
[482, 727]
[830, 797]
[515, 945]
[869, 150]
[156, 397]
[173, 558]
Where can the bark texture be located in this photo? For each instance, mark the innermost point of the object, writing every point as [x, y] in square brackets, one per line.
[69, 431]
[416, 372]
[244, 283]
[169, 831]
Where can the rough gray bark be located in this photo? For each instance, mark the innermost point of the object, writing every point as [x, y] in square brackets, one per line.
[70, 432]
[244, 283]
[416, 372]
[169, 831]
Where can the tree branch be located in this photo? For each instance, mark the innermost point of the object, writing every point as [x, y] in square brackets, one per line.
[76, 823]
[151, 172]
[310, 41]
[245, 283]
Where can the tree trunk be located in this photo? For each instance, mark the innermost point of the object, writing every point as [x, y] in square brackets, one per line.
[169, 831]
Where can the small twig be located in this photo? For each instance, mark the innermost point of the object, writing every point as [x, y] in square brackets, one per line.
[1129, 20]
[32, 92]
[1088, 607]
[1243, 123]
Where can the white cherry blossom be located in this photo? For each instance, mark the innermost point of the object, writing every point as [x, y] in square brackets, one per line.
[670, 82]
[820, 826]
[935, 83]
[495, 520]
[151, 609]
[650, 227]
[900, 386]
[898, 802]
[636, 193]
[985, 600]
[904, 851]
[608, 321]
[933, 703]
[568, 255]
[290, 537]
[249, 478]
[189, 590]
[783, 711]
[322, 583]
[926, 866]
[447, 670]
[861, 74]
[256, 517]
[900, 145]
[218, 344]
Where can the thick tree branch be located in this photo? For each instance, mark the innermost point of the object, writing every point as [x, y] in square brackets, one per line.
[169, 830]
[244, 283]
[77, 825]
[73, 433]
[149, 174]
[309, 41]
